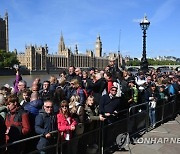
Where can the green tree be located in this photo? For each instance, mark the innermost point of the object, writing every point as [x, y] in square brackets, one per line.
[152, 62]
[7, 59]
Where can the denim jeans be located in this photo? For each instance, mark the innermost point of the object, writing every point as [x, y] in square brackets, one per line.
[152, 116]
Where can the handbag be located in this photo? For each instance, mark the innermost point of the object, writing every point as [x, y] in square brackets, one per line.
[79, 129]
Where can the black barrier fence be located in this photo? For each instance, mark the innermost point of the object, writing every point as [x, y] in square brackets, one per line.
[112, 132]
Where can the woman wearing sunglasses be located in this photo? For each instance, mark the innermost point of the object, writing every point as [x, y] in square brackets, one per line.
[66, 125]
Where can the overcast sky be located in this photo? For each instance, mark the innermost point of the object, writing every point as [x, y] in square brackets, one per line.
[80, 21]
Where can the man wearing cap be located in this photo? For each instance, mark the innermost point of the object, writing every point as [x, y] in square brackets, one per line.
[110, 105]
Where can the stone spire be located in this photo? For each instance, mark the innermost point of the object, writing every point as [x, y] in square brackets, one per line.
[61, 46]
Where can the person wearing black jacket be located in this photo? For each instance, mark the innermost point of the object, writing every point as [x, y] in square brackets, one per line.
[110, 105]
[98, 86]
[45, 123]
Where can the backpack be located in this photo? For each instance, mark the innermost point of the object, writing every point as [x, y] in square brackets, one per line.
[84, 90]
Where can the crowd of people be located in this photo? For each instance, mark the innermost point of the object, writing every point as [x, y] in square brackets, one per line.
[74, 102]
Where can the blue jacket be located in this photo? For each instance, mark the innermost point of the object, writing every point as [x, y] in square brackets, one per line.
[33, 107]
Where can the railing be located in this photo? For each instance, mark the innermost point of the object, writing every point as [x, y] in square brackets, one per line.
[133, 121]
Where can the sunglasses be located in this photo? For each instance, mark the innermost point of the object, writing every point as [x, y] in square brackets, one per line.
[113, 90]
[48, 107]
[65, 106]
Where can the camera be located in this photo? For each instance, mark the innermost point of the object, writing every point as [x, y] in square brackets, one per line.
[16, 66]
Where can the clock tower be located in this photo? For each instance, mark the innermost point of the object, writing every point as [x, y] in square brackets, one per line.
[98, 47]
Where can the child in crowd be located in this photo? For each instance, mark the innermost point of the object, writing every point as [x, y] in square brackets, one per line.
[26, 97]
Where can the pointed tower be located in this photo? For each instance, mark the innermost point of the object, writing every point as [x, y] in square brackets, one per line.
[61, 46]
[4, 36]
[76, 49]
[7, 31]
[98, 47]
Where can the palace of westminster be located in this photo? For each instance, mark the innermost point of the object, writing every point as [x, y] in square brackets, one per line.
[36, 58]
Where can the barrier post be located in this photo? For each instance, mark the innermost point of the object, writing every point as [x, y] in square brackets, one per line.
[147, 117]
[101, 137]
[162, 117]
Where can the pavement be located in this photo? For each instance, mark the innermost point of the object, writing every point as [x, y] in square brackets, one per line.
[164, 139]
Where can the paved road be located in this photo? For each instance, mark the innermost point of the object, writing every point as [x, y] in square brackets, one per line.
[168, 132]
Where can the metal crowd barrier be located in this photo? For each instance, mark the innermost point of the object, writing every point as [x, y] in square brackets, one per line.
[133, 121]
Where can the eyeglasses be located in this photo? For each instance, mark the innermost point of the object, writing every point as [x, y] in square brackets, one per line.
[64, 106]
[48, 107]
[113, 90]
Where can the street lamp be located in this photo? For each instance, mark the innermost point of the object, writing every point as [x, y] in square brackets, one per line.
[144, 24]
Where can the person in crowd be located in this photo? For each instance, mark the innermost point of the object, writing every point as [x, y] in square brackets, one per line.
[162, 93]
[152, 96]
[33, 107]
[18, 78]
[71, 75]
[92, 112]
[91, 71]
[8, 90]
[92, 123]
[75, 89]
[3, 107]
[26, 97]
[22, 85]
[78, 72]
[3, 112]
[53, 83]
[45, 123]
[62, 76]
[126, 75]
[17, 124]
[37, 82]
[133, 93]
[99, 85]
[148, 81]
[59, 94]
[45, 93]
[35, 88]
[66, 126]
[76, 109]
[110, 105]
[86, 82]
[108, 77]
[113, 67]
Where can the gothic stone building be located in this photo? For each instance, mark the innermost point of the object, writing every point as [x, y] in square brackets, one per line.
[37, 59]
[4, 37]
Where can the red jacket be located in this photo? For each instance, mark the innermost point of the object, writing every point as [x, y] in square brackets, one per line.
[109, 85]
[63, 125]
[17, 124]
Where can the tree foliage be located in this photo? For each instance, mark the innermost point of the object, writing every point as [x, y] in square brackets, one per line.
[152, 62]
[134, 62]
[7, 59]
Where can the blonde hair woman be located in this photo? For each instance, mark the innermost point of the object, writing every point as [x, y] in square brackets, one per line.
[76, 89]
[76, 110]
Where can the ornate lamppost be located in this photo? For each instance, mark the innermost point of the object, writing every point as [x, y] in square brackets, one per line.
[144, 24]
